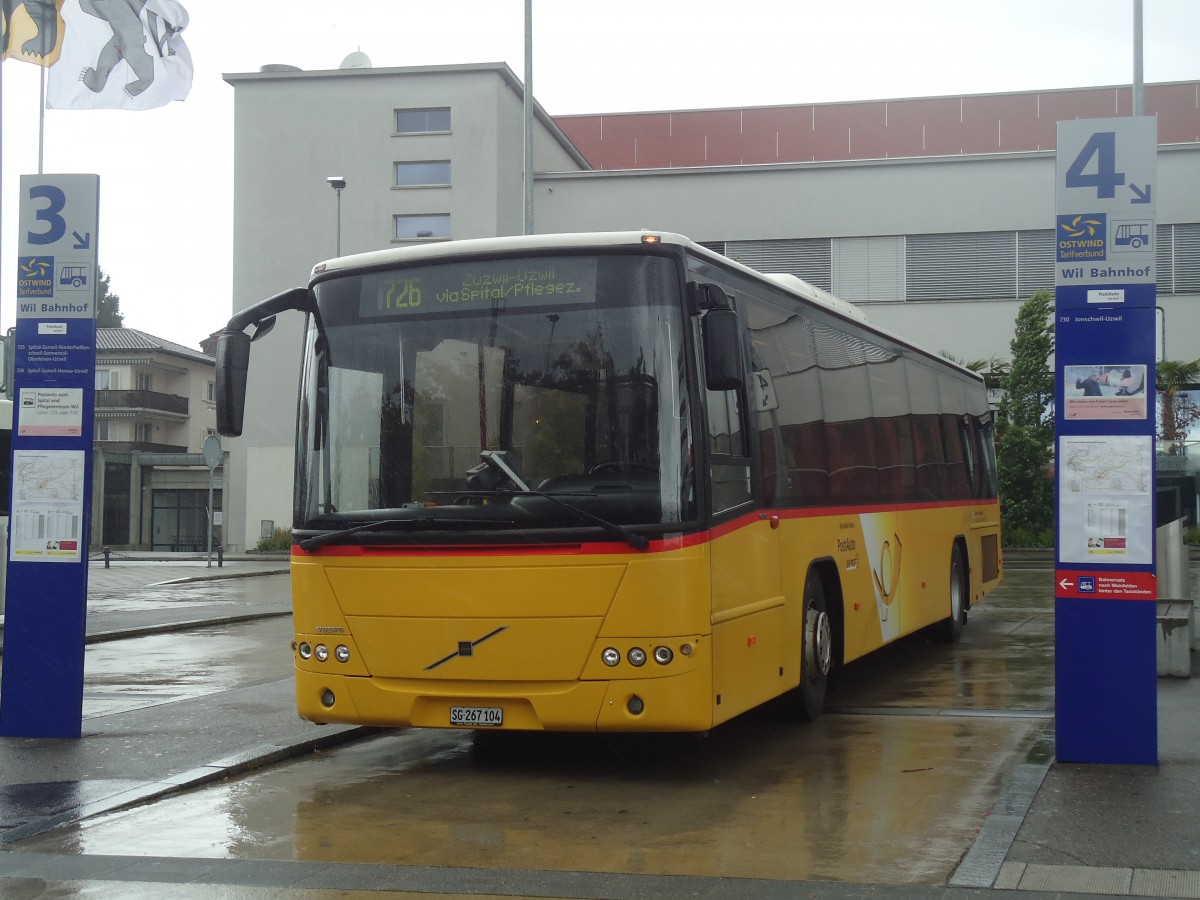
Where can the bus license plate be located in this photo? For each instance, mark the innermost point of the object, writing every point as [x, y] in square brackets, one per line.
[476, 715]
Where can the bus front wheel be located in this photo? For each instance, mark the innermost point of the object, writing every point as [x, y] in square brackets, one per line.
[950, 629]
[816, 652]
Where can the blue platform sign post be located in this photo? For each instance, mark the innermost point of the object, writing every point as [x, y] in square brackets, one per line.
[41, 694]
[1106, 689]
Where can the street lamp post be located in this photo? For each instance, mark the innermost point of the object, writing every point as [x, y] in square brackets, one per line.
[337, 182]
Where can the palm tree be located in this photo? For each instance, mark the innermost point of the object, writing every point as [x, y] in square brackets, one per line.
[1179, 413]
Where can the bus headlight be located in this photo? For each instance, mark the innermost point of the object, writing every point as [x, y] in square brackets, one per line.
[610, 657]
[321, 652]
[305, 650]
[663, 655]
[637, 657]
[342, 653]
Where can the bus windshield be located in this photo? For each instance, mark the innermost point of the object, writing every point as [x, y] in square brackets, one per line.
[512, 395]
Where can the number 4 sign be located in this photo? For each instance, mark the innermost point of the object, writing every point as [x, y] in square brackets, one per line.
[1105, 228]
[1107, 165]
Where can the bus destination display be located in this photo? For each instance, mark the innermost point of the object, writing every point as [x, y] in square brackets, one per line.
[510, 284]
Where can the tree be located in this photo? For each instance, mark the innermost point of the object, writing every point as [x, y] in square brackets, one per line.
[108, 304]
[1178, 412]
[1025, 430]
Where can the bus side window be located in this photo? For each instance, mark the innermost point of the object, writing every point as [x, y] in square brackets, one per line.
[729, 463]
[729, 457]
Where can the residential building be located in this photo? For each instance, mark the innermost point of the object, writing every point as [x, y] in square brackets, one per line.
[154, 408]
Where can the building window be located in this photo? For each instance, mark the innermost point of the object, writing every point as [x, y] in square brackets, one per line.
[969, 266]
[144, 433]
[423, 121]
[107, 380]
[143, 381]
[1178, 259]
[423, 173]
[409, 228]
[101, 431]
[807, 258]
[210, 392]
[868, 268]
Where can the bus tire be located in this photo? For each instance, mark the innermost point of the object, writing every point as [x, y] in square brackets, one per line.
[950, 629]
[816, 652]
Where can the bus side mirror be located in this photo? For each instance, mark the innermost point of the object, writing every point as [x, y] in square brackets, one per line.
[723, 364]
[233, 366]
[233, 353]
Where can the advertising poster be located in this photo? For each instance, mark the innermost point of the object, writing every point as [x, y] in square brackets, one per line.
[1114, 391]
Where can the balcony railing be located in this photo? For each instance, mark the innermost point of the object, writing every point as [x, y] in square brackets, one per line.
[140, 447]
[148, 400]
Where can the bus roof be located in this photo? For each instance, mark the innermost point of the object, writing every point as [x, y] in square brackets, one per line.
[532, 243]
[510, 244]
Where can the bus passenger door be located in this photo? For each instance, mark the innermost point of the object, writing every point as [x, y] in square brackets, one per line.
[747, 596]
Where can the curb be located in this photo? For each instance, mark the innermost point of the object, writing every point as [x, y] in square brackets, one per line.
[226, 767]
[222, 577]
[100, 637]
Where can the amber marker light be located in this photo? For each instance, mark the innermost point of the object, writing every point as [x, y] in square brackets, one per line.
[651, 239]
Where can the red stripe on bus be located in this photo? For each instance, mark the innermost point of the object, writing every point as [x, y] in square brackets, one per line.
[610, 548]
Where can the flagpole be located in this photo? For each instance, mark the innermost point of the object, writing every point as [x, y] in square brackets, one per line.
[41, 115]
[527, 113]
[3, 59]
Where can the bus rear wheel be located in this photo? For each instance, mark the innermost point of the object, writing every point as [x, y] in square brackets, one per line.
[950, 629]
[807, 701]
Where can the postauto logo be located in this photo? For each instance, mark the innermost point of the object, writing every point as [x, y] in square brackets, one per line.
[1082, 236]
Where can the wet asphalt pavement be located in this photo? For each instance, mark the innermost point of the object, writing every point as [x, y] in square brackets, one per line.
[932, 776]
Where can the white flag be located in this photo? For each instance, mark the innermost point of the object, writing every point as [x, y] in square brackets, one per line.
[121, 54]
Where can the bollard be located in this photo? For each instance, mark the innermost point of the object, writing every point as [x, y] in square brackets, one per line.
[220, 555]
[107, 551]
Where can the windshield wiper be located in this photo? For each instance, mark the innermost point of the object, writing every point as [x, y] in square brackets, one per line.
[637, 541]
[499, 464]
[333, 537]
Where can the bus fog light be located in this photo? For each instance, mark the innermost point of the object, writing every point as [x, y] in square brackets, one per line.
[637, 657]
[321, 652]
[327, 698]
[610, 657]
[305, 650]
[685, 649]
[342, 653]
[663, 655]
[635, 705]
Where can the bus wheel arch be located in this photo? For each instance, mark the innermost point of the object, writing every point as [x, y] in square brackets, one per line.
[950, 629]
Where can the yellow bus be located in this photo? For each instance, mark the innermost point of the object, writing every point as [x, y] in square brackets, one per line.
[611, 482]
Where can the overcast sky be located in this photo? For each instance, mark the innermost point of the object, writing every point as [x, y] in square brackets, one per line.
[166, 175]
